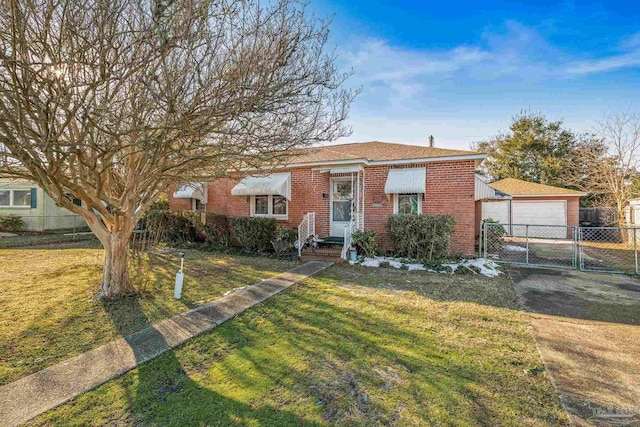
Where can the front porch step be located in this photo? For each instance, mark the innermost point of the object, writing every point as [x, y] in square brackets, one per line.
[323, 253]
[311, 257]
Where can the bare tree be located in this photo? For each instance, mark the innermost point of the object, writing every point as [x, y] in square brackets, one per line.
[111, 101]
[607, 168]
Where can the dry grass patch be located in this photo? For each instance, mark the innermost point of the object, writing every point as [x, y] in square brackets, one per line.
[48, 314]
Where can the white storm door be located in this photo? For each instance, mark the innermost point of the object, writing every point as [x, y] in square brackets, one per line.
[341, 205]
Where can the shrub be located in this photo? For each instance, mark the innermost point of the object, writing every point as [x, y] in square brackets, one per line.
[162, 204]
[495, 235]
[175, 226]
[423, 237]
[254, 233]
[288, 235]
[365, 241]
[11, 223]
[218, 231]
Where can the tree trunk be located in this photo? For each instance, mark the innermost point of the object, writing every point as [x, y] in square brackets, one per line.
[115, 273]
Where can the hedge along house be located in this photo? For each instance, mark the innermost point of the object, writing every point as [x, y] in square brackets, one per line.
[522, 202]
[38, 211]
[331, 190]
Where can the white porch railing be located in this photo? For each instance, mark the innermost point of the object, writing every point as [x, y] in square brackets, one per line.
[348, 231]
[306, 229]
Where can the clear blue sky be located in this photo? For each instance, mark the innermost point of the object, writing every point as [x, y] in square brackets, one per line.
[461, 69]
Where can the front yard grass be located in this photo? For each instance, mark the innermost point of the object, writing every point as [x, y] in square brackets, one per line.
[46, 295]
[350, 346]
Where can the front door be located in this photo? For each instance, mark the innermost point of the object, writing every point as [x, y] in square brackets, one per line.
[341, 204]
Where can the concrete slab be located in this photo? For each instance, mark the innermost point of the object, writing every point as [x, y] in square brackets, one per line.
[587, 326]
[30, 396]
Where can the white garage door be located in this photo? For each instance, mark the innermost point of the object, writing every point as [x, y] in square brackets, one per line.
[542, 213]
[498, 211]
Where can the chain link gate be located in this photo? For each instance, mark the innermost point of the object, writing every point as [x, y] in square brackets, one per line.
[598, 249]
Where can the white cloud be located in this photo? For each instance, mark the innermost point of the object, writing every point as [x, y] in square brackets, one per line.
[470, 91]
[404, 72]
[607, 64]
[515, 52]
[628, 56]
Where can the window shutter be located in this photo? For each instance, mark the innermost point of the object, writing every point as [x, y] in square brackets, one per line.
[34, 198]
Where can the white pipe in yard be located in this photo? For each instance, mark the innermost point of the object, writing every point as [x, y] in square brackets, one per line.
[177, 292]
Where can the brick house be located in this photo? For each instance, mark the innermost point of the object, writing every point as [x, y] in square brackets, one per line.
[358, 184]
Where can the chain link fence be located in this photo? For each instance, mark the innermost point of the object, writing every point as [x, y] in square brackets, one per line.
[68, 230]
[609, 249]
[541, 245]
[47, 230]
[604, 249]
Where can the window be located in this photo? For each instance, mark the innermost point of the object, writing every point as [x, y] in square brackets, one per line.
[15, 198]
[22, 198]
[275, 206]
[408, 204]
[197, 205]
[342, 200]
[73, 199]
[279, 205]
[262, 205]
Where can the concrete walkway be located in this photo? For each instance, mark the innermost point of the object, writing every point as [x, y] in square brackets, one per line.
[587, 326]
[30, 396]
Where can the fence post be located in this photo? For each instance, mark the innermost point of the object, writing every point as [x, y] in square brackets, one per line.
[575, 247]
[635, 247]
[526, 236]
[480, 240]
[484, 237]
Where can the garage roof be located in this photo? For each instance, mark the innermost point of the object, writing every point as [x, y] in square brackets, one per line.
[518, 187]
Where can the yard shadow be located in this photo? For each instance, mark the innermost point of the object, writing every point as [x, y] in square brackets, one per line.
[470, 288]
[166, 395]
[334, 342]
[341, 361]
[568, 293]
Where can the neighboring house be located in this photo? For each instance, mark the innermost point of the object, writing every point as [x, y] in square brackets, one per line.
[632, 213]
[522, 202]
[358, 184]
[632, 219]
[38, 211]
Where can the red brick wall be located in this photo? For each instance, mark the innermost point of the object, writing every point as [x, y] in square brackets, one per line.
[450, 190]
[220, 200]
[307, 187]
[178, 204]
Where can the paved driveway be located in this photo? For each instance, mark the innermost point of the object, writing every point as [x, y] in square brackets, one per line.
[587, 326]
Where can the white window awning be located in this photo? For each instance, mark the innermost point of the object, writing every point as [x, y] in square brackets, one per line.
[276, 184]
[343, 169]
[406, 181]
[192, 190]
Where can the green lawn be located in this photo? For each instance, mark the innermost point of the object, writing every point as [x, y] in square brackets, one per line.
[350, 347]
[48, 314]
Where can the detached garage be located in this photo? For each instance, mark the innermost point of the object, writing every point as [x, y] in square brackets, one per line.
[534, 204]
